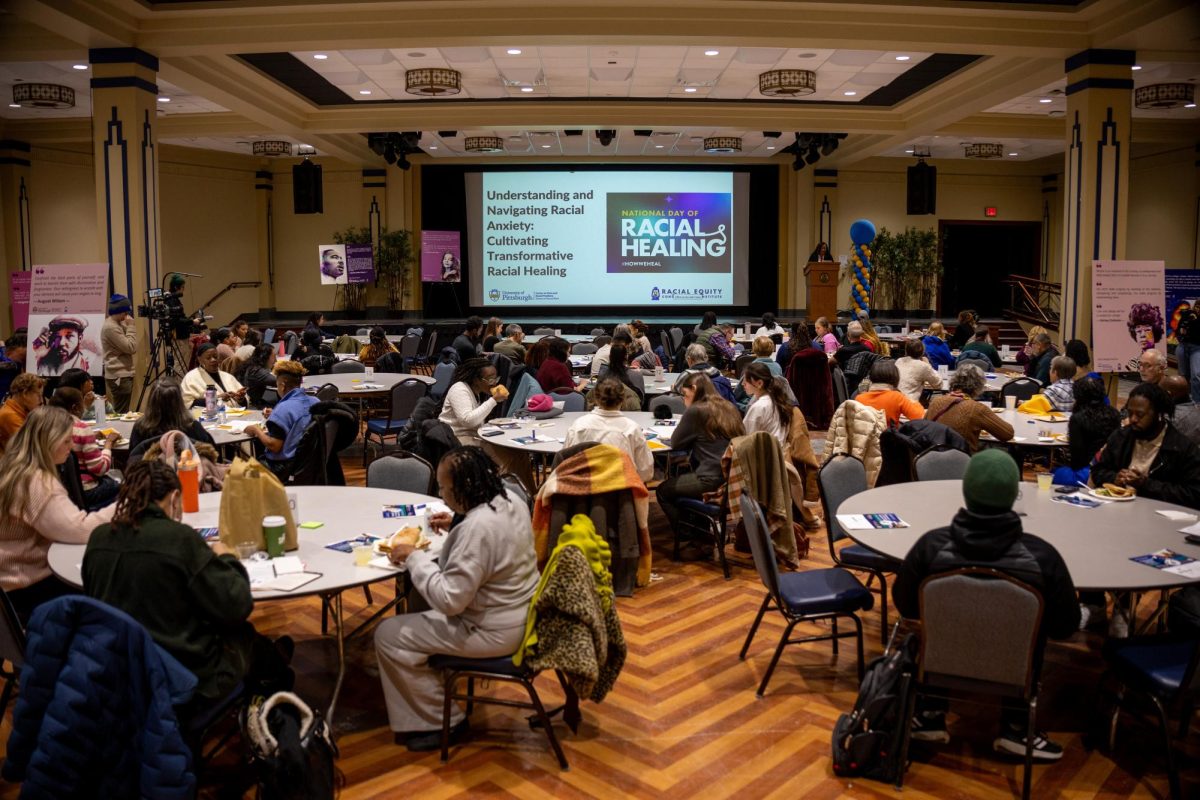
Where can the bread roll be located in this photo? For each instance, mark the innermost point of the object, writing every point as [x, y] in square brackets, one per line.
[410, 536]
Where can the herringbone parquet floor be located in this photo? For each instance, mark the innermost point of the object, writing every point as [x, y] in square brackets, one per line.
[684, 721]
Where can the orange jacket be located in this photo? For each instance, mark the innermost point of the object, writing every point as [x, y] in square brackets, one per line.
[892, 403]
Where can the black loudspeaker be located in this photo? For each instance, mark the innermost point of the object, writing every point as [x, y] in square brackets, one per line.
[307, 197]
[922, 189]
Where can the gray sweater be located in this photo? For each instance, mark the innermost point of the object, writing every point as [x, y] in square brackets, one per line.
[487, 570]
[706, 452]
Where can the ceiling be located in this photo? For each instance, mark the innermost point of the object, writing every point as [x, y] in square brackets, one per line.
[893, 76]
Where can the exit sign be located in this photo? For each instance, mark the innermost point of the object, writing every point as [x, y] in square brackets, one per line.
[990, 211]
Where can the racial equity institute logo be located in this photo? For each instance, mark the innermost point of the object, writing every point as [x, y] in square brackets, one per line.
[654, 294]
[494, 295]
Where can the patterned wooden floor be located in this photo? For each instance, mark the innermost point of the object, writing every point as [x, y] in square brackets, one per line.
[684, 721]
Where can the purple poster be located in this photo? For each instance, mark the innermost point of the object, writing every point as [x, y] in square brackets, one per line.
[681, 232]
[441, 257]
[347, 263]
[18, 284]
[360, 263]
[1183, 293]
[67, 306]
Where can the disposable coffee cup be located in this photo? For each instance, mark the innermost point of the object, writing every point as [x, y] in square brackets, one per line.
[1045, 481]
[944, 370]
[274, 530]
[370, 370]
[363, 554]
[1010, 403]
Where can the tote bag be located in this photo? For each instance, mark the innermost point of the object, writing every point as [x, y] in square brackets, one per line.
[250, 492]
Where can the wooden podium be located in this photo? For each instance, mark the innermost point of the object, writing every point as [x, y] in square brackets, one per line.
[822, 288]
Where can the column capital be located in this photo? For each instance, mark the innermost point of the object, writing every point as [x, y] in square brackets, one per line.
[1119, 58]
[123, 55]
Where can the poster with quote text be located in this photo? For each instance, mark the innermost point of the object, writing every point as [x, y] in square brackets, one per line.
[67, 306]
[1127, 313]
[441, 256]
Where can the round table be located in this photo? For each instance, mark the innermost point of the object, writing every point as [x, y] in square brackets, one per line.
[1096, 543]
[1026, 428]
[570, 338]
[348, 383]
[655, 387]
[346, 511]
[555, 430]
[230, 432]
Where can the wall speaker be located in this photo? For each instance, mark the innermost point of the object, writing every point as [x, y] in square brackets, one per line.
[922, 189]
[307, 197]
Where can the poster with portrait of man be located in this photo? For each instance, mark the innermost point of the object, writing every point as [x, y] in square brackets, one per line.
[333, 264]
[67, 304]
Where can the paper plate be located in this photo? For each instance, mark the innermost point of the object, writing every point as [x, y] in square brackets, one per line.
[503, 421]
[1103, 494]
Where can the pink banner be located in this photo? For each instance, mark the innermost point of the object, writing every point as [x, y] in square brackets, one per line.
[67, 306]
[1127, 313]
[441, 257]
[18, 285]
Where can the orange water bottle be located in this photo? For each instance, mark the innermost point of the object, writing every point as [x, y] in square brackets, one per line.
[188, 471]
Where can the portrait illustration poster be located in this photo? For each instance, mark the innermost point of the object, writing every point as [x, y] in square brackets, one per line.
[67, 305]
[1183, 294]
[332, 263]
[1127, 313]
[441, 256]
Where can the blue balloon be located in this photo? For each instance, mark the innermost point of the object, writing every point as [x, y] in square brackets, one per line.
[862, 232]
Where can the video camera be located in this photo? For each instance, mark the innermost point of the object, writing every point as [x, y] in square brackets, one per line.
[156, 307]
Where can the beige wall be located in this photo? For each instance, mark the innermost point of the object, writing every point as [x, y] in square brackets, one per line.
[62, 206]
[1162, 207]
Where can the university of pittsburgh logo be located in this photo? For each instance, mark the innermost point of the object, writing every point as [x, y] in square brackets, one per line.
[654, 294]
[494, 295]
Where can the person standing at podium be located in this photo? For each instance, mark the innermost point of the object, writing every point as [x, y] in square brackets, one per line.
[820, 253]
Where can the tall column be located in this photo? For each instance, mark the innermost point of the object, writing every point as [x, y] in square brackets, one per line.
[124, 109]
[1096, 179]
[264, 210]
[15, 241]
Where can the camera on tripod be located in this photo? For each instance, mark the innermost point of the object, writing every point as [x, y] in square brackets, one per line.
[156, 307]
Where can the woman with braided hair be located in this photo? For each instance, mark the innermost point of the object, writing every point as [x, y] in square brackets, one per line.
[464, 412]
[477, 590]
[194, 600]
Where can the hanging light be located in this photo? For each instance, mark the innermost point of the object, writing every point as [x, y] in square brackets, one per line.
[1159, 96]
[984, 150]
[483, 144]
[722, 144]
[787, 82]
[271, 147]
[43, 95]
[433, 82]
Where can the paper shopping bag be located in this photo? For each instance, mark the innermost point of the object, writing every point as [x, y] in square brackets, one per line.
[251, 492]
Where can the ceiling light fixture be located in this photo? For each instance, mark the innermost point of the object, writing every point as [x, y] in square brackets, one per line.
[689, 89]
[545, 147]
[1190, 105]
[983, 150]
[1160, 96]
[658, 147]
[513, 51]
[433, 147]
[364, 91]
[787, 82]
[903, 58]
[712, 52]
[80, 66]
[722, 144]
[527, 89]
[908, 151]
[43, 95]
[770, 147]
[483, 144]
[270, 148]
[14, 105]
[849, 94]
[164, 99]
[605, 136]
[320, 56]
[1136, 67]
[433, 82]
[1045, 100]
[1014, 154]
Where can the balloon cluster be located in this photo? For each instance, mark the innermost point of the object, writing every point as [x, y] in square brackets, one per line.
[862, 233]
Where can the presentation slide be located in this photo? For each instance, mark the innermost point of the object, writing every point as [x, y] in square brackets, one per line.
[611, 238]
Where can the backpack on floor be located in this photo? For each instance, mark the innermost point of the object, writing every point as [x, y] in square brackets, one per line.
[291, 748]
[868, 741]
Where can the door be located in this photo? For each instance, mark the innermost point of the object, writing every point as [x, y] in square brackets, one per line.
[978, 256]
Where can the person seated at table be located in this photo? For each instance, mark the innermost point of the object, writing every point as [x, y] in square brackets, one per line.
[1042, 353]
[605, 424]
[982, 343]
[986, 532]
[196, 383]
[511, 345]
[769, 327]
[311, 344]
[1187, 413]
[770, 408]
[315, 321]
[704, 431]
[825, 341]
[714, 339]
[258, 375]
[285, 423]
[555, 373]
[1150, 454]
[964, 331]
[24, 395]
[960, 410]
[1061, 391]
[250, 340]
[1092, 421]
[492, 333]
[916, 373]
[854, 344]
[35, 510]
[936, 349]
[616, 368]
[537, 353]
[1077, 351]
[883, 394]
[377, 347]
[193, 599]
[465, 414]
[93, 459]
[696, 357]
[12, 360]
[166, 411]
[799, 340]
[869, 337]
[78, 379]
[225, 342]
[763, 349]
[240, 328]
[478, 591]
[466, 344]
[622, 336]
[1152, 366]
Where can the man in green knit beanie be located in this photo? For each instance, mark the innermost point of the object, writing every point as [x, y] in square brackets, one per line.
[986, 532]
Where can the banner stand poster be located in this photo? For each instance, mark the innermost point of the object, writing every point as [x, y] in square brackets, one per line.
[67, 306]
[441, 257]
[18, 286]
[346, 263]
[1183, 293]
[1127, 313]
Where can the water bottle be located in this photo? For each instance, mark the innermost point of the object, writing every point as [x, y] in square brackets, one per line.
[189, 482]
[221, 411]
[210, 401]
[99, 406]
